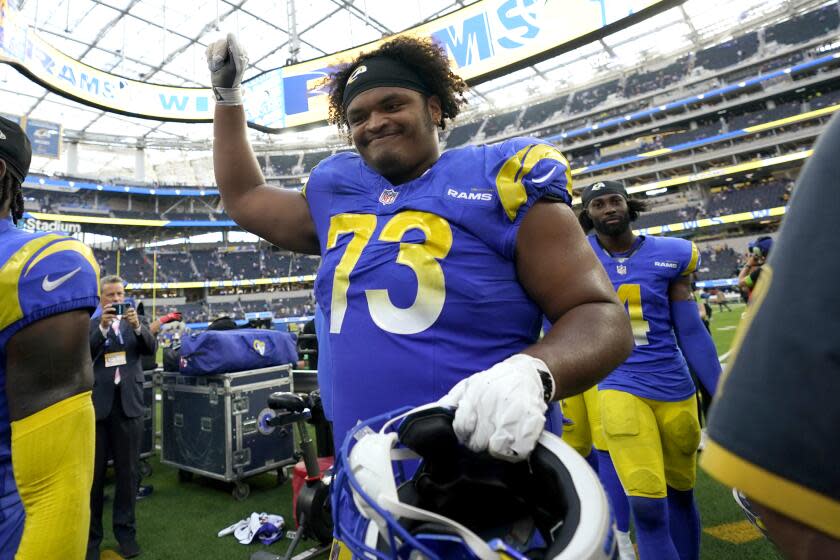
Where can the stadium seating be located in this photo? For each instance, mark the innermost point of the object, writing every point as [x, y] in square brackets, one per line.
[807, 26]
[732, 201]
[720, 262]
[645, 82]
[540, 112]
[589, 98]
[728, 53]
[462, 134]
[497, 124]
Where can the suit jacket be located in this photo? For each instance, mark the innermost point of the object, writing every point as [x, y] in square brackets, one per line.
[131, 374]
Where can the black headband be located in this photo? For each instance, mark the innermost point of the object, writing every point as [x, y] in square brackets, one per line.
[599, 189]
[381, 71]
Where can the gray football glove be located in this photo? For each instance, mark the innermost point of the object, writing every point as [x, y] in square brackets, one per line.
[227, 61]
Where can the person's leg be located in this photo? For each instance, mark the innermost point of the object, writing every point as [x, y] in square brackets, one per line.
[609, 479]
[97, 491]
[680, 430]
[619, 504]
[126, 433]
[634, 444]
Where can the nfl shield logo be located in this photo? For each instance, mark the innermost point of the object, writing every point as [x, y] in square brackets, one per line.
[388, 196]
[621, 269]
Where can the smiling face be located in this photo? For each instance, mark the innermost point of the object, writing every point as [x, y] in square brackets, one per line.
[394, 130]
[610, 214]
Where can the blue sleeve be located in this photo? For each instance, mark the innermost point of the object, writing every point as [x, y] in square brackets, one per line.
[696, 343]
[526, 170]
[56, 275]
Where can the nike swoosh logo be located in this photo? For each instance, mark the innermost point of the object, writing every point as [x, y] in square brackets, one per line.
[50, 285]
[545, 177]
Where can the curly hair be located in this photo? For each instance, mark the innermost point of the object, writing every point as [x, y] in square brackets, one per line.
[11, 192]
[426, 57]
[634, 207]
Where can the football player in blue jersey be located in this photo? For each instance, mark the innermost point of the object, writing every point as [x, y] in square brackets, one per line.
[48, 287]
[435, 267]
[648, 408]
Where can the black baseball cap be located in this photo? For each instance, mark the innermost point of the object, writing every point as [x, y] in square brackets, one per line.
[15, 148]
[601, 188]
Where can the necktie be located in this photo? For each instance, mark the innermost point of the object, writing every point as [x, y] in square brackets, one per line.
[116, 326]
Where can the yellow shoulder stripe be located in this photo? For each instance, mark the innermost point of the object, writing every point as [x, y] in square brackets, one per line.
[12, 271]
[692, 264]
[785, 496]
[66, 245]
[10, 310]
[509, 185]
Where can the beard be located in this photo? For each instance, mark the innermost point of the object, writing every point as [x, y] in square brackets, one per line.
[612, 229]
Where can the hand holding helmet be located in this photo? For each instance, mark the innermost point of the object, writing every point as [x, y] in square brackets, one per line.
[502, 409]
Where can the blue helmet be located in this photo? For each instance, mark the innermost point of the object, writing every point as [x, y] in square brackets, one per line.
[405, 488]
[761, 246]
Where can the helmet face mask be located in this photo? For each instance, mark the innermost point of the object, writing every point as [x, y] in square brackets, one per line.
[458, 504]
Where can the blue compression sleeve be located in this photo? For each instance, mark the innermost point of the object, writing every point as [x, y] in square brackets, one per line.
[696, 343]
[615, 491]
[653, 533]
[685, 523]
[592, 459]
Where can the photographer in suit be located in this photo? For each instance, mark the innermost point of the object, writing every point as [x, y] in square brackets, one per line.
[117, 341]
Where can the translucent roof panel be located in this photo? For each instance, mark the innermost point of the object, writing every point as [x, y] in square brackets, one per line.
[163, 42]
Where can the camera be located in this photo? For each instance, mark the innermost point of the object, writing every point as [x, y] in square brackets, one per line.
[119, 308]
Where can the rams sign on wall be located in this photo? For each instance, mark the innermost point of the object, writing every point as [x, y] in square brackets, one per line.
[483, 40]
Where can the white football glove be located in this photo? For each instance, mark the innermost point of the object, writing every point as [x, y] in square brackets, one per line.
[502, 409]
[227, 61]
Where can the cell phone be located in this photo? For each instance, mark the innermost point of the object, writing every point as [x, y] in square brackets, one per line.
[119, 308]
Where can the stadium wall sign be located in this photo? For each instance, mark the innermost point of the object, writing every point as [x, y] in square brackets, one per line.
[34, 224]
[484, 40]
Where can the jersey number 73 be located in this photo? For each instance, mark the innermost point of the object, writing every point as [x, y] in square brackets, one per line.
[422, 258]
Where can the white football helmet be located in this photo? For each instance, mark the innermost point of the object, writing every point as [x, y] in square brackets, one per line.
[458, 504]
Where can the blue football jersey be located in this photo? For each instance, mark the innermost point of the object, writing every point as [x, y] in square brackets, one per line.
[418, 281]
[656, 369]
[40, 275]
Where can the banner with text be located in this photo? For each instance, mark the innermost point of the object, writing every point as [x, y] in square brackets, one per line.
[483, 40]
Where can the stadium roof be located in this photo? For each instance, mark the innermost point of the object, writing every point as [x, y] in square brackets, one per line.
[163, 41]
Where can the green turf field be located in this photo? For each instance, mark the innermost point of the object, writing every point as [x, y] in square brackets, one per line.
[179, 521]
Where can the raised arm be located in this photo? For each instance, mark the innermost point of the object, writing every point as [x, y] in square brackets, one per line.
[277, 215]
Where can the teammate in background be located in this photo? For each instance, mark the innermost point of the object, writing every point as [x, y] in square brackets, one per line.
[648, 407]
[48, 287]
[785, 358]
[720, 299]
[759, 250]
[440, 266]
